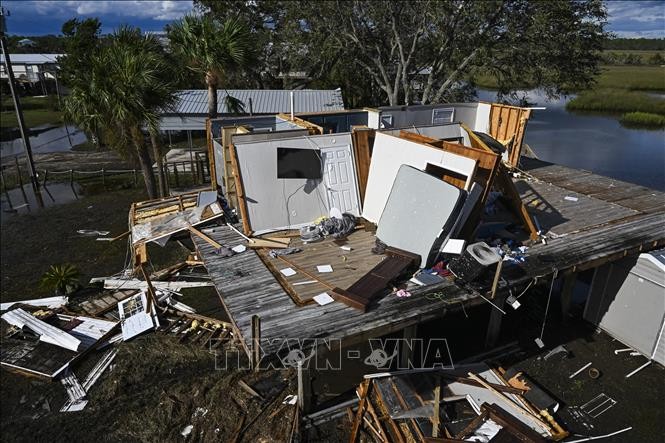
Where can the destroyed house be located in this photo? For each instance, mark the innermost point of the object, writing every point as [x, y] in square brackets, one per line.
[349, 225]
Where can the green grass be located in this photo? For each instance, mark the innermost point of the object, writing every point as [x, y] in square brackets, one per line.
[634, 78]
[643, 119]
[616, 101]
[37, 111]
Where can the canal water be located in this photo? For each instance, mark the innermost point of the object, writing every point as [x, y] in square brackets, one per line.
[596, 143]
[46, 138]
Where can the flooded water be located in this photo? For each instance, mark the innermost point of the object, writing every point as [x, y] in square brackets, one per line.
[45, 139]
[16, 202]
[594, 142]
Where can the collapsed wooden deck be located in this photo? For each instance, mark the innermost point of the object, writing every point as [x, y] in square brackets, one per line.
[609, 220]
[247, 288]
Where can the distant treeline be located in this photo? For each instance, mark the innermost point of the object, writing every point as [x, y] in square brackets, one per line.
[636, 44]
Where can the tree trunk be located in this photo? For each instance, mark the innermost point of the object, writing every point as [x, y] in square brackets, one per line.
[146, 167]
[157, 153]
[212, 95]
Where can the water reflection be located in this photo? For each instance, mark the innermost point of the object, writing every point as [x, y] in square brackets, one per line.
[45, 138]
[17, 201]
[594, 142]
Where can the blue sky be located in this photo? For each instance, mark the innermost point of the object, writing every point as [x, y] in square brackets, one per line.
[627, 18]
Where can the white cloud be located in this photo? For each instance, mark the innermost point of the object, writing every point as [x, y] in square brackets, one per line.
[144, 9]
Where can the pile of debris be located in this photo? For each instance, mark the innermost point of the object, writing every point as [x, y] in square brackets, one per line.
[469, 403]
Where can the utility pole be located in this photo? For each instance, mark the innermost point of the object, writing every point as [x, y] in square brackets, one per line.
[19, 111]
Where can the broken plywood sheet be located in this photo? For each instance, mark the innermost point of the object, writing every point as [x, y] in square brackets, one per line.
[118, 283]
[47, 333]
[160, 228]
[48, 302]
[35, 357]
[348, 265]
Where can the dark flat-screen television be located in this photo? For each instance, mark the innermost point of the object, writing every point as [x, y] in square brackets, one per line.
[299, 163]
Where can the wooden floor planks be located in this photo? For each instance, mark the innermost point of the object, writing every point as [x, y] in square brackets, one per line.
[609, 219]
[257, 292]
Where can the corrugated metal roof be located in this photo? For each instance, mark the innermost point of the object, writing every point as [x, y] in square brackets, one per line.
[32, 59]
[264, 101]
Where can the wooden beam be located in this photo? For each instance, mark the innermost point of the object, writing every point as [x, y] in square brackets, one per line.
[357, 421]
[240, 190]
[511, 403]
[204, 237]
[256, 342]
[507, 187]
[437, 400]
[211, 155]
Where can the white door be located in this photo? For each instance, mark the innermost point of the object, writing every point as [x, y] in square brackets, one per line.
[340, 179]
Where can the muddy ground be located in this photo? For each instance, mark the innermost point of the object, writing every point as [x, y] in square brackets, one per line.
[157, 385]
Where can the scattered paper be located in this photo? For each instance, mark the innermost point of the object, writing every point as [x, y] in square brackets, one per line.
[453, 246]
[345, 248]
[186, 430]
[540, 343]
[290, 399]
[324, 268]
[516, 304]
[323, 299]
[238, 249]
[287, 272]
[570, 198]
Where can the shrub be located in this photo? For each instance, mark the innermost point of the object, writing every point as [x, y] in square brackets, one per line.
[62, 279]
[643, 119]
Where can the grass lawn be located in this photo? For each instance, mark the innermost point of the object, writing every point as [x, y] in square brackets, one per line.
[37, 111]
[31, 243]
[634, 78]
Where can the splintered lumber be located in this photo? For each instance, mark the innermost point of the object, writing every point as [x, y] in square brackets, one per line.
[204, 237]
[512, 404]
[358, 420]
[123, 235]
[249, 389]
[117, 283]
[269, 242]
[199, 317]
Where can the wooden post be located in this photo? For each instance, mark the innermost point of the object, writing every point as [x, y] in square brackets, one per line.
[103, 178]
[494, 324]
[256, 342]
[497, 276]
[406, 352]
[175, 174]
[567, 294]
[437, 401]
[20, 180]
[304, 388]
[4, 187]
[136, 180]
[45, 177]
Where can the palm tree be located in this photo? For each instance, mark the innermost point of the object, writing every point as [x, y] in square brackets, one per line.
[211, 48]
[126, 89]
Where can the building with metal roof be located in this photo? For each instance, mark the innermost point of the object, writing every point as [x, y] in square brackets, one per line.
[191, 109]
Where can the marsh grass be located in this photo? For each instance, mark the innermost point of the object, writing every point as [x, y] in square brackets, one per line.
[616, 101]
[643, 119]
